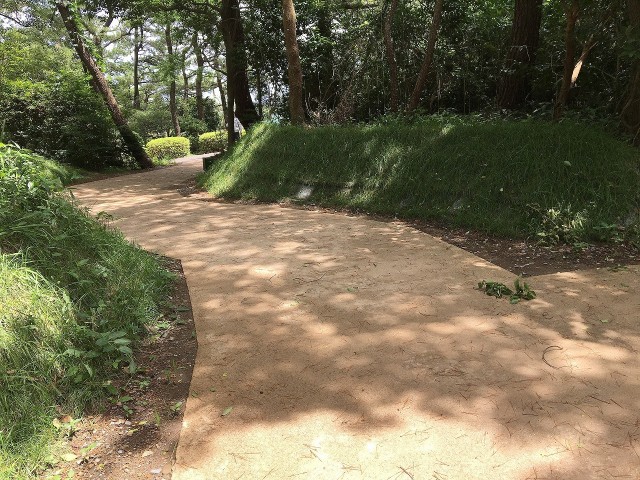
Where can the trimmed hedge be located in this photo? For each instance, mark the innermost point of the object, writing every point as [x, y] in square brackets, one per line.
[168, 148]
[212, 142]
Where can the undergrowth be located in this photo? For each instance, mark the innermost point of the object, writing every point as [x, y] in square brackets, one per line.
[74, 297]
[563, 182]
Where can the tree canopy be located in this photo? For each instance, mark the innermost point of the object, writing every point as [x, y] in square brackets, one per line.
[184, 68]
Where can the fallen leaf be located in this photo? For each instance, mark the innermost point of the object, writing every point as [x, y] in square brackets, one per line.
[68, 457]
[226, 411]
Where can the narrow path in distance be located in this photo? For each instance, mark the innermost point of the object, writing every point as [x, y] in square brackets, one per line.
[338, 347]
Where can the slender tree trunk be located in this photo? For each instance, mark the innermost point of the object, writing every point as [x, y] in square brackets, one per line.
[197, 48]
[515, 84]
[391, 55]
[231, 114]
[129, 137]
[236, 65]
[296, 104]
[586, 49]
[185, 80]
[223, 98]
[137, 46]
[572, 13]
[630, 114]
[173, 104]
[428, 57]
[259, 87]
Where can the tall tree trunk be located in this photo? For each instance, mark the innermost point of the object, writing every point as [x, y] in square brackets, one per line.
[197, 48]
[296, 104]
[173, 104]
[515, 84]
[236, 63]
[391, 55]
[630, 114]
[428, 57]
[572, 13]
[138, 44]
[130, 139]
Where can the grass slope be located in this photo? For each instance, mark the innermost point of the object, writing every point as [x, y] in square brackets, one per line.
[510, 178]
[74, 298]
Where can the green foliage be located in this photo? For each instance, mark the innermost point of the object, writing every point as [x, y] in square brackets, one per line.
[168, 148]
[153, 122]
[560, 224]
[74, 297]
[498, 176]
[211, 142]
[192, 128]
[47, 105]
[521, 291]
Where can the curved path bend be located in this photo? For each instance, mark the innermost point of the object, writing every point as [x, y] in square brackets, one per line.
[354, 349]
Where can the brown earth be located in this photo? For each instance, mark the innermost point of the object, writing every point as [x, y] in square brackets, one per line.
[137, 438]
[332, 346]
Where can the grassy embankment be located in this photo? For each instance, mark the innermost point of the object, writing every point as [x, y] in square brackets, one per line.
[74, 298]
[559, 182]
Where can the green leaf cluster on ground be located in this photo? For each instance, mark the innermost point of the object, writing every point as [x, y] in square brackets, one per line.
[74, 297]
[561, 182]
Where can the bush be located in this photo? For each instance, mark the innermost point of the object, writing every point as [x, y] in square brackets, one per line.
[212, 142]
[74, 297]
[63, 119]
[168, 148]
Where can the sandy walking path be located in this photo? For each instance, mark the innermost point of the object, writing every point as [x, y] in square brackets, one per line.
[344, 348]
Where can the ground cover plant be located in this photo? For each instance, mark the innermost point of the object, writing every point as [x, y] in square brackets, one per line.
[74, 299]
[563, 182]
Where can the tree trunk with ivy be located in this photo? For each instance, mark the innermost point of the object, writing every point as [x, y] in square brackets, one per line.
[130, 139]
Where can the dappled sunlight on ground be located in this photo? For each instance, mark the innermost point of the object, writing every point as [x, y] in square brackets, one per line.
[350, 348]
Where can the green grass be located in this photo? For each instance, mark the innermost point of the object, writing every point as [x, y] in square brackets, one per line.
[567, 181]
[75, 296]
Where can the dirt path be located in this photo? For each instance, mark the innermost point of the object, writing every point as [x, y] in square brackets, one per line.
[334, 347]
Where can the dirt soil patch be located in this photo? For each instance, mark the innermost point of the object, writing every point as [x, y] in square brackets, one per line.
[136, 435]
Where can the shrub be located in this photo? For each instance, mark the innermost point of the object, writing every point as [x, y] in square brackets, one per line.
[168, 148]
[63, 119]
[212, 142]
